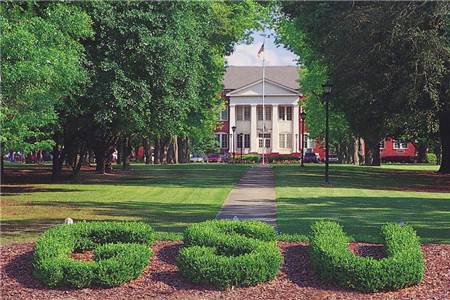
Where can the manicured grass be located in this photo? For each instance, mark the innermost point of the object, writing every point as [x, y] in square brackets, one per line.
[167, 197]
[364, 198]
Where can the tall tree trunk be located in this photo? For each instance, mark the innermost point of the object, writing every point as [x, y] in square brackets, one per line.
[147, 150]
[444, 131]
[58, 158]
[422, 152]
[373, 147]
[175, 149]
[126, 152]
[355, 151]
[156, 151]
[164, 150]
[100, 161]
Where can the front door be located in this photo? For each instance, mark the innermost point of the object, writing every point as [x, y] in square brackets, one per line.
[265, 143]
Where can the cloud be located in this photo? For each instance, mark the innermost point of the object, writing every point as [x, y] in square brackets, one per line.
[246, 55]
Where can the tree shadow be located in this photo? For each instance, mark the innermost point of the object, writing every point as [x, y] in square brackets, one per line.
[362, 178]
[362, 217]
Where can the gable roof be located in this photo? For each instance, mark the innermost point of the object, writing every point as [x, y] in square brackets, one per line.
[239, 76]
[286, 91]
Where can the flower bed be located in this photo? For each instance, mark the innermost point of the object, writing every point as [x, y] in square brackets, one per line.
[121, 252]
[229, 253]
[333, 261]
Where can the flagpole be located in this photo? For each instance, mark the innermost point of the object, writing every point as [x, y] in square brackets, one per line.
[263, 106]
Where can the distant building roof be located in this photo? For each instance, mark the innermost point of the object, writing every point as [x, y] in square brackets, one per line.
[237, 76]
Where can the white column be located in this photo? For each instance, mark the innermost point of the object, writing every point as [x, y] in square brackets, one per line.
[253, 131]
[295, 119]
[232, 139]
[275, 131]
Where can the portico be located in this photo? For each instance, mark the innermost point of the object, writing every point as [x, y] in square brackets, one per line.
[272, 129]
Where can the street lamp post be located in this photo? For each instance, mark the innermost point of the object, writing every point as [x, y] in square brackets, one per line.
[327, 89]
[303, 116]
[241, 137]
[232, 139]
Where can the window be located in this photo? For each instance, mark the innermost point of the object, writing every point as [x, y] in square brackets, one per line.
[246, 113]
[382, 144]
[285, 113]
[305, 141]
[239, 113]
[285, 140]
[400, 145]
[259, 112]
[223, 116]
[222, 138]
[267, 111]
[243, 113]
[265, 140]
[281, 112]
[239, 141]
[247, 140]
[289, 113]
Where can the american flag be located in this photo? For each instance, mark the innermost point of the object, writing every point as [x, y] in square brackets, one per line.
[261, 50]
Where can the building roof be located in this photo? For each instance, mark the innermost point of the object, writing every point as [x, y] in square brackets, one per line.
[237, 76]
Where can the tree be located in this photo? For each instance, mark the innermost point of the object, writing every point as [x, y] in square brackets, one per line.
[385, 59]
[41, 66]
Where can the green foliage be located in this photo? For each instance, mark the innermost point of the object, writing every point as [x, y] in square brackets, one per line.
[121, 253]
[283, 158]
[387, 60]
[431, 158]
[250, 158]
[333, 261]
[229, 253]
[41, 65]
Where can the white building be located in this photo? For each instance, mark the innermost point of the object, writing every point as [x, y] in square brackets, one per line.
[276, 129]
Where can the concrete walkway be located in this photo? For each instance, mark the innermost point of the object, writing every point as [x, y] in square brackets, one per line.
[253, 197]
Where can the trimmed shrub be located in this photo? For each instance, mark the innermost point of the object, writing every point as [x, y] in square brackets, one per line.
[331, 258]
[121, 253]
[249, 158]
[229, 253]
[283, 158]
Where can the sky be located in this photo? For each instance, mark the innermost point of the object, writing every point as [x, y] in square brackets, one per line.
[246, 55]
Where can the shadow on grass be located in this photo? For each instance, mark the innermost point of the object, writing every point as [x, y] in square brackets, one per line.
[362, 177]
[166, 217]
[204, 175]
[363, 216]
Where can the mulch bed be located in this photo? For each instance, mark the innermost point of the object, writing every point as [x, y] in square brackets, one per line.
[161, 280]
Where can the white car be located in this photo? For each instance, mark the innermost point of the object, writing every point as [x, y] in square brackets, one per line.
[197, 157]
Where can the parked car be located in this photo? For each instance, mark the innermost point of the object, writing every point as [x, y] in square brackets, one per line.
[310, 157]
[333, 158]
[214, 158]
[198, 157]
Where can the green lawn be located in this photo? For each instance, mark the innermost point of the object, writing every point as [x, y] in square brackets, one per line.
[363, 198]
[167, 197]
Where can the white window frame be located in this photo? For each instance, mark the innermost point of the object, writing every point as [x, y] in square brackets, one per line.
[222, 138]
[246, 140]
[399, 145]
[285, 112]
[382, 144]
[223, 115]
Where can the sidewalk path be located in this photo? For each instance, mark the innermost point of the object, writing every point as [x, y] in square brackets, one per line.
[253, 197]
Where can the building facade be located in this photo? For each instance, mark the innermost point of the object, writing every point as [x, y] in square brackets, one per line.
[272, 129]
[275, 128]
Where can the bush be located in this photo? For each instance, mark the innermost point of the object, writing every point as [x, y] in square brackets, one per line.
[229, 253]
[121, 253]
[283, 158]
[333, 261]
[249, 158]
[431, 158]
